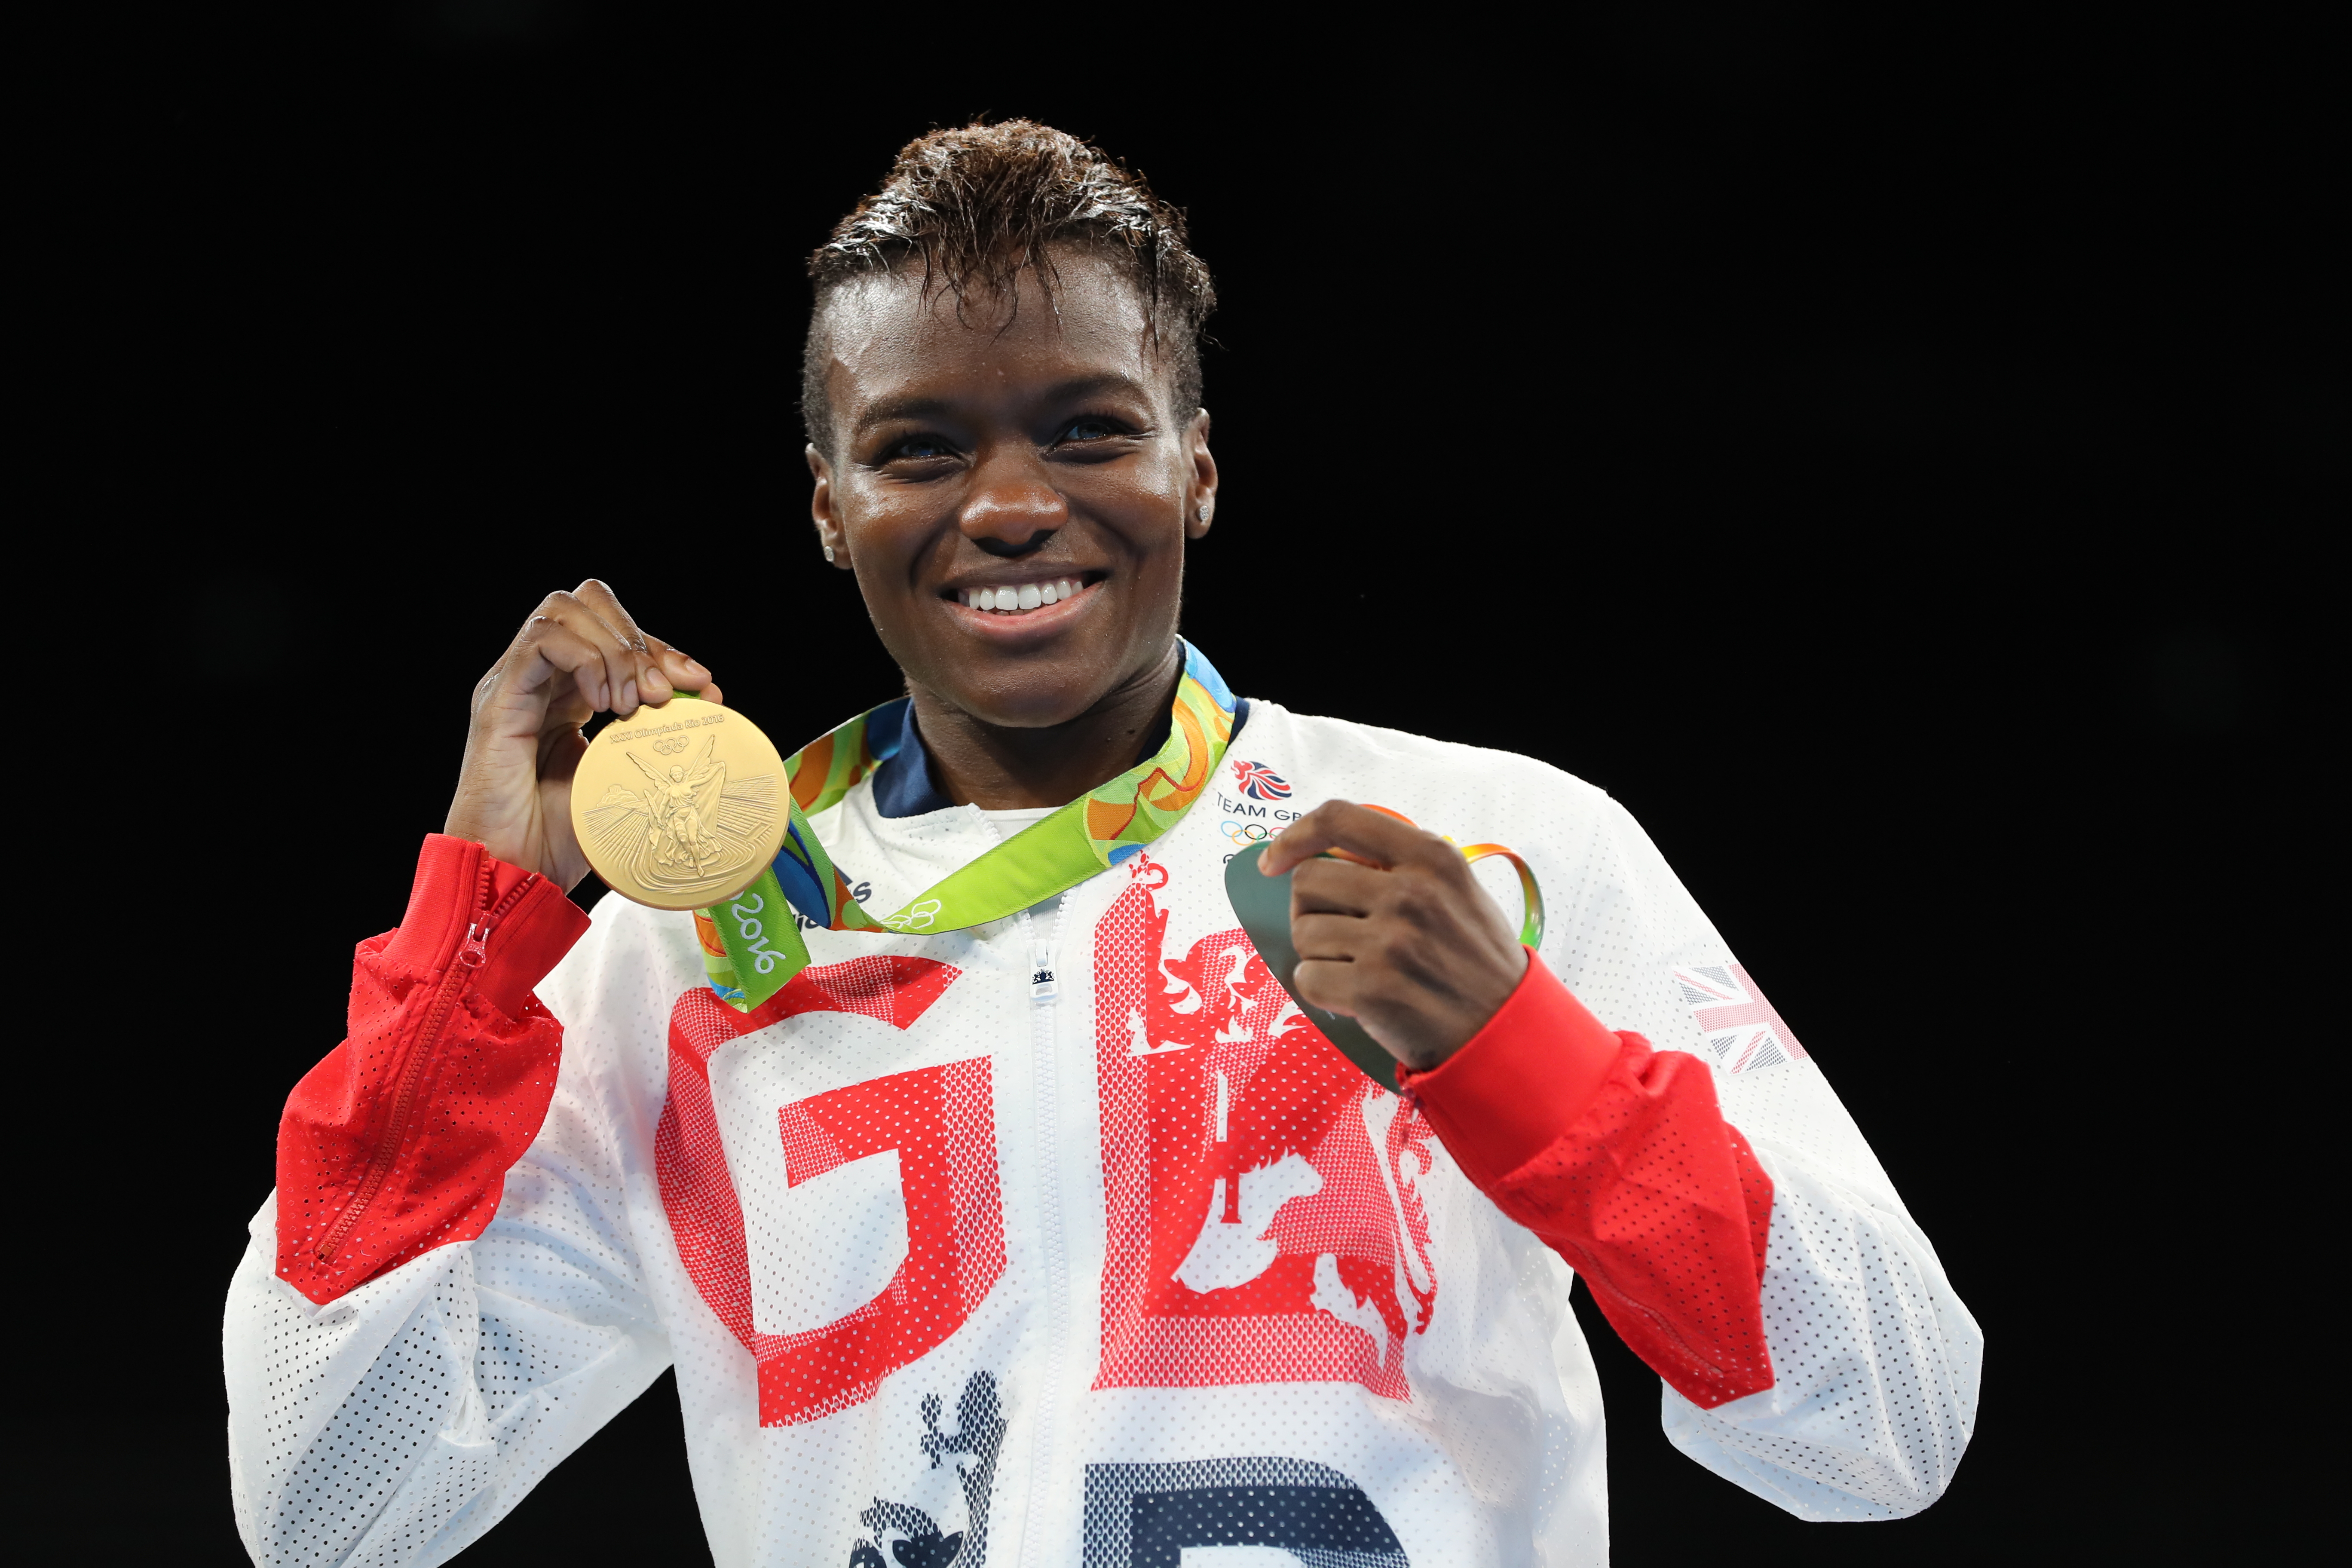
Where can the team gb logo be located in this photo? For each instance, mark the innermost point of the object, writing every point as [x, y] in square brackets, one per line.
[1259, 782]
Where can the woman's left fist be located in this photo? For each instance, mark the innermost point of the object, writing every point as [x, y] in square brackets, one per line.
[1398, 935]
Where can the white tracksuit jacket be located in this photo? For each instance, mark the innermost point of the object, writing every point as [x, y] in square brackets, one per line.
[947, 1270]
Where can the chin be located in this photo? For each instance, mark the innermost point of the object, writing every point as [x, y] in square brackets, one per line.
[1024, 696]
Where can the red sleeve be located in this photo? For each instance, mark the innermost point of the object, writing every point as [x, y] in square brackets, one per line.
[1618, 1157]
[400, 1141]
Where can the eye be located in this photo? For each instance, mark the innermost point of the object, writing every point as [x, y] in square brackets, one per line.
[917, 449]
[1093, 427]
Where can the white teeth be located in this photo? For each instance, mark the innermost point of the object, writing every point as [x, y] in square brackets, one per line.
[1028, 597]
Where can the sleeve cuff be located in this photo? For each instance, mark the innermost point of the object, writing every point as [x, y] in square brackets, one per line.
[529, 941]
[1519, 1083]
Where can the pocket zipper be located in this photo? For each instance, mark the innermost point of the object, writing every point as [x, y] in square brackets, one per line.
[471, 955]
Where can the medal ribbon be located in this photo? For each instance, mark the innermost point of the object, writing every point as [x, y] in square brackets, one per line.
[752, 945]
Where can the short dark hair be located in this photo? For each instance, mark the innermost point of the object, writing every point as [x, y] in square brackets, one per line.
[981, 203]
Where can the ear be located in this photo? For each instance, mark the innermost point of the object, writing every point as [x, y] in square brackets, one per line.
[1201, 493]
[830, 536]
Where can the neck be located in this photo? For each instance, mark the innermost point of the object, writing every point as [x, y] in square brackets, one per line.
[978, 763]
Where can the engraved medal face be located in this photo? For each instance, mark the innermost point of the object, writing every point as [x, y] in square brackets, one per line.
[681, 806]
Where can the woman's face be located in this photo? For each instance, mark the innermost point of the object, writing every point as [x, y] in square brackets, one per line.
[1016, 461]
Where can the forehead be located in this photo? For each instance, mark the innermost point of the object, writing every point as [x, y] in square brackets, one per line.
[886, 340]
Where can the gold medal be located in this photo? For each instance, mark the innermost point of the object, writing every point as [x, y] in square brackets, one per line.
[679, 806]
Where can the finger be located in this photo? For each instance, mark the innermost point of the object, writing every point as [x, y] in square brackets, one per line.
[602, 603]
[678, 671]
[593, 612]
[1380, 837]
[659, 669]
[1331, 939]
[547, 647]
[621, 661]
[1325, 984]
[1336, 887]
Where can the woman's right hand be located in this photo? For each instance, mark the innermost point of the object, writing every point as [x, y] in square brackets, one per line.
[580, 654]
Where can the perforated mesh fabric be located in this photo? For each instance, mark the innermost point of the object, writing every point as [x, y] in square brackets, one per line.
[1877, 1389]
[1263, 1218]
[1149, 1516]
[1162, 1275]
[1660, 1205]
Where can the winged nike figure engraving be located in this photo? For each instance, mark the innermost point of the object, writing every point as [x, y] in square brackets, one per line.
[688, 826]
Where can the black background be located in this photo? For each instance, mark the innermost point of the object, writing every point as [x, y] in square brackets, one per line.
[1890, 458]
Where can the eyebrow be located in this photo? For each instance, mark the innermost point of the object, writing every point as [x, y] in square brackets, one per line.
[915, 407]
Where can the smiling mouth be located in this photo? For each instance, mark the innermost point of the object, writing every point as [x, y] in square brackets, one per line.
[1021, 598]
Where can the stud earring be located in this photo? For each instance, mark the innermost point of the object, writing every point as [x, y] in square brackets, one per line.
[1202, 511]
[828, 553]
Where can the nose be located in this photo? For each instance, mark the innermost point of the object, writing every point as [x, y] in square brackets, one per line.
[1011, 507]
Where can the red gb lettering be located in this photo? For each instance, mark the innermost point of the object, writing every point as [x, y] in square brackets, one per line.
[1262, 1198]
[939, 1124]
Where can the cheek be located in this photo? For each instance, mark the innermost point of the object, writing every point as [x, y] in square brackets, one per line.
[1145, 506]
[885, 532]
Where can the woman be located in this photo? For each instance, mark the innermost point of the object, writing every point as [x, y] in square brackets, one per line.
[1053, 1229]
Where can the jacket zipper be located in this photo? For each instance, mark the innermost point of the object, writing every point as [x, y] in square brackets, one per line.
[1044, 1050]
[471, 953]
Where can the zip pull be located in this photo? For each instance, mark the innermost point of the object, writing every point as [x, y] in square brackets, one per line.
[471, 955]
[1042, 985]
[474, 953]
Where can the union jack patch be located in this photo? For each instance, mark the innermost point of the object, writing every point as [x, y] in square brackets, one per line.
[1259, 782]
[1741, 1028]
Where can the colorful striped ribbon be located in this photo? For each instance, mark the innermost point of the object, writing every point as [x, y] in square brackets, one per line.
[752, 945]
